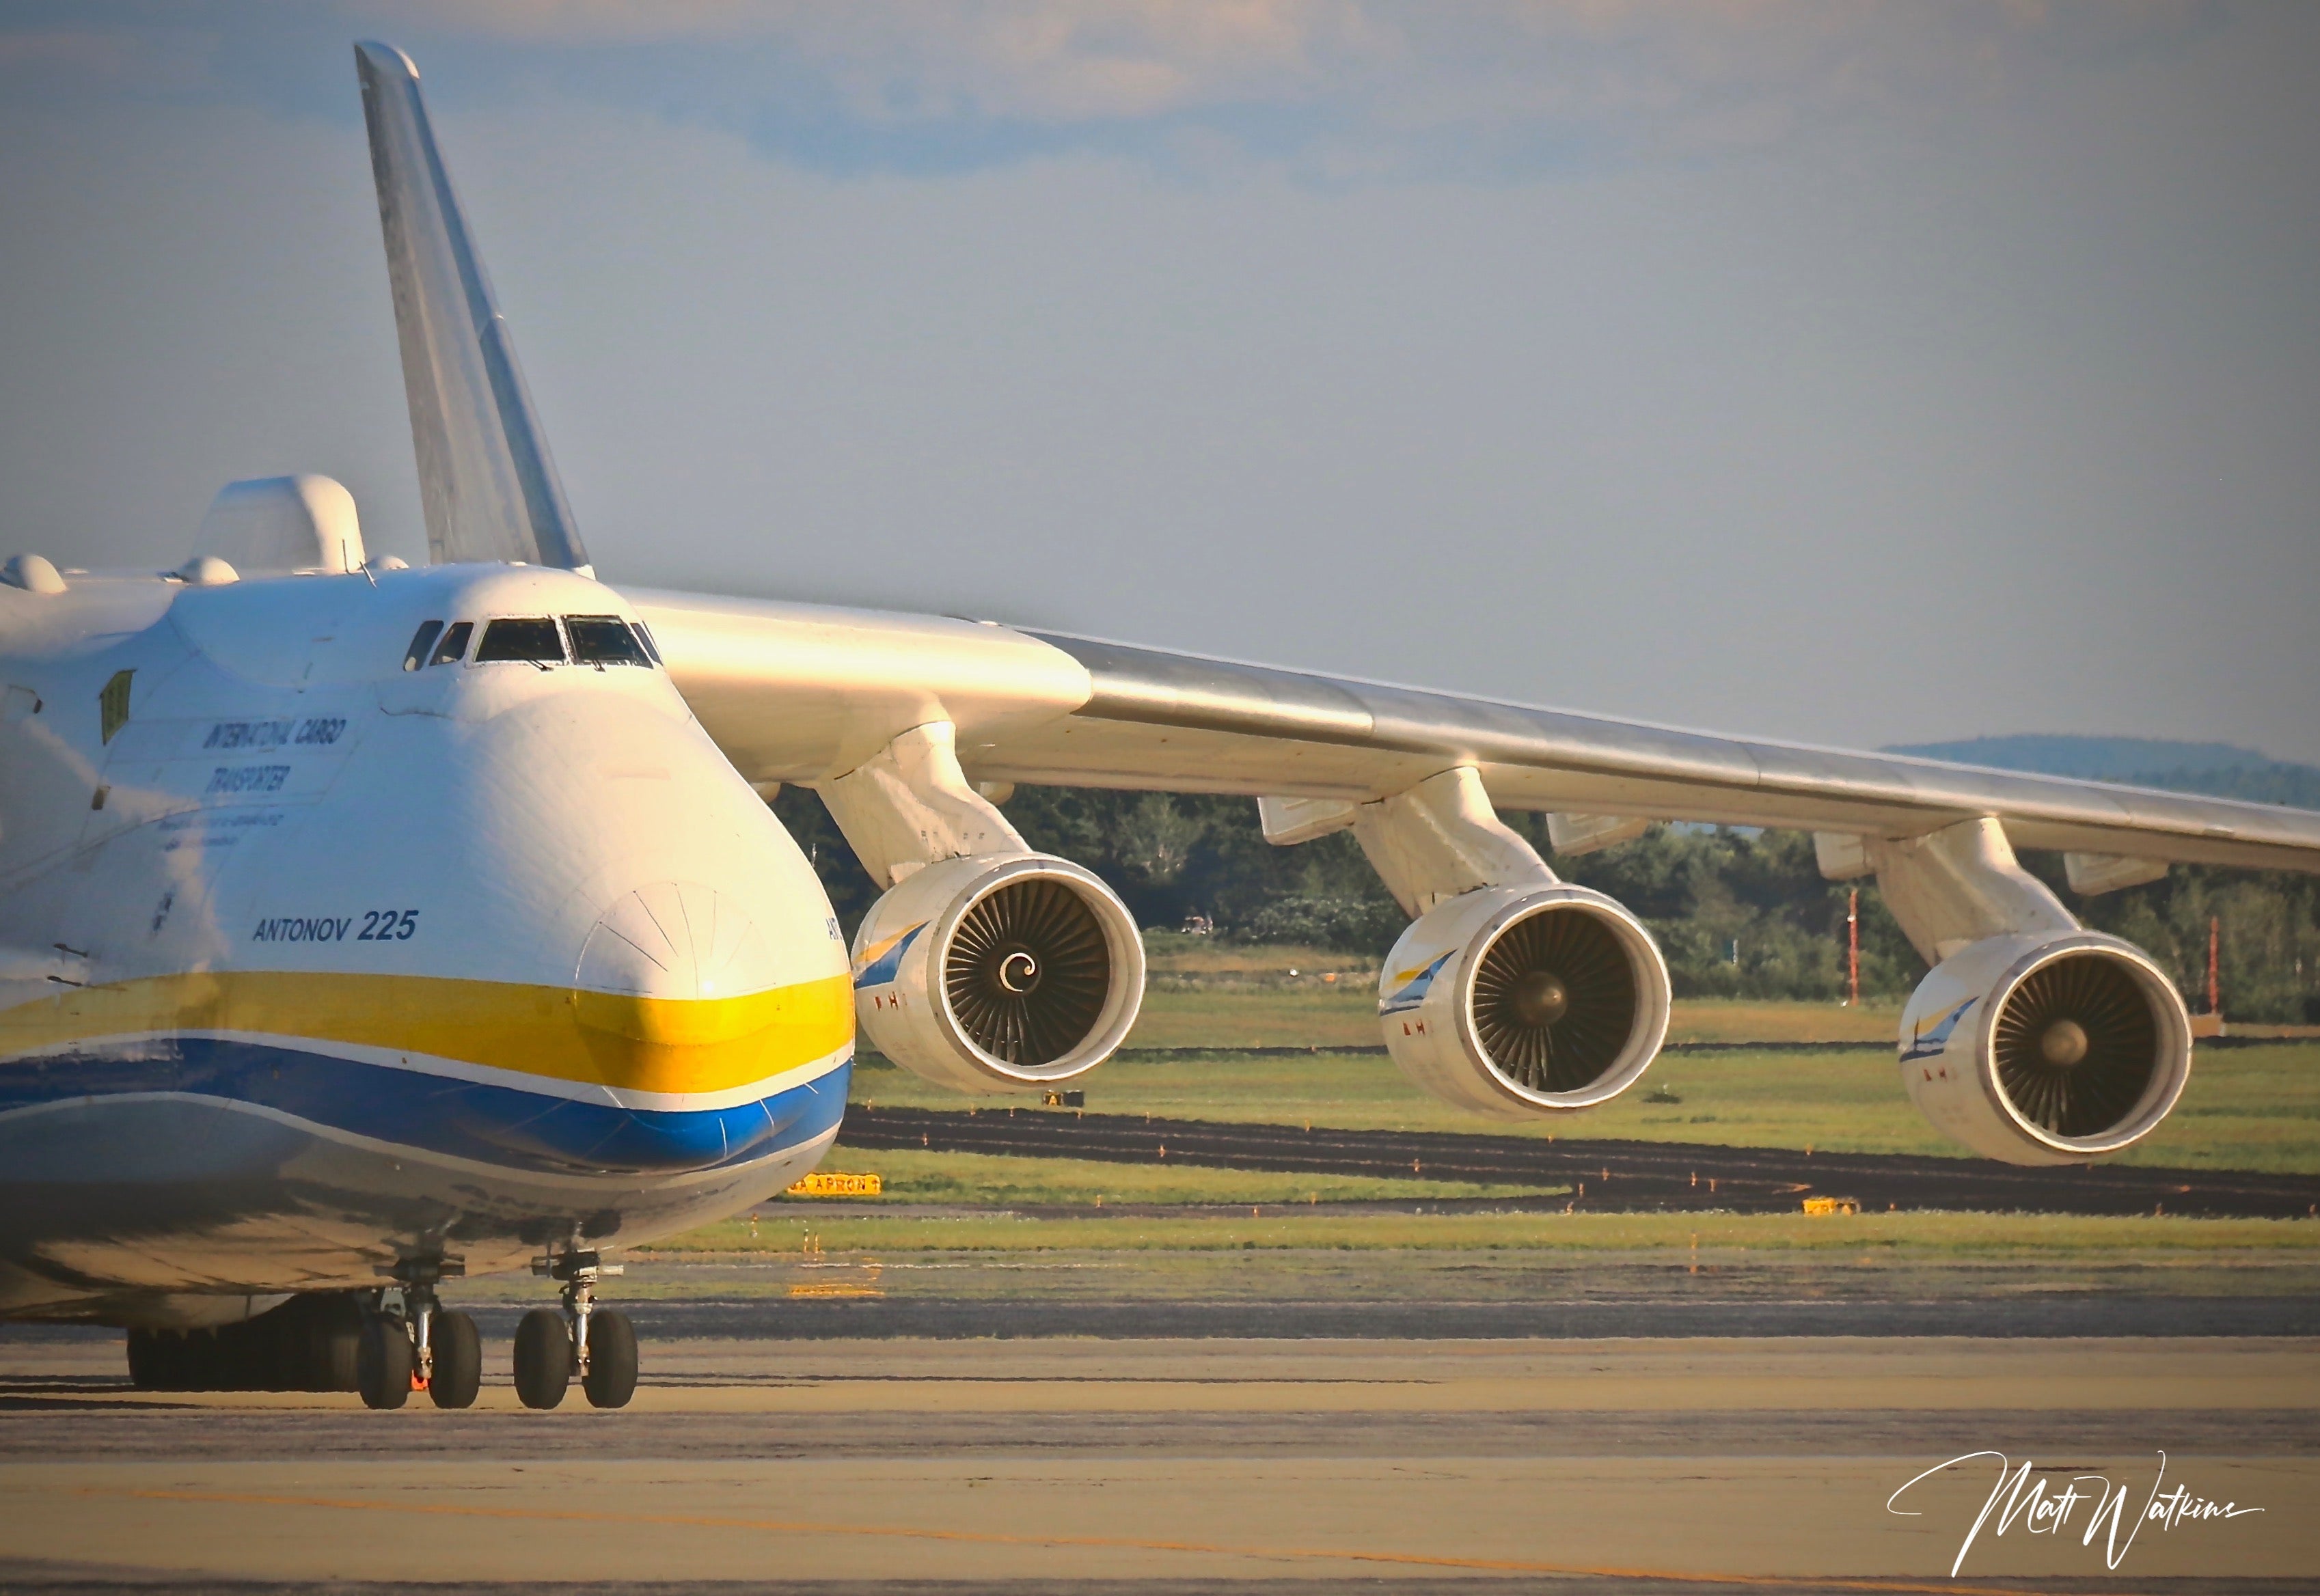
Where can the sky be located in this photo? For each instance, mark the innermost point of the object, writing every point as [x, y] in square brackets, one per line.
[1848, 373]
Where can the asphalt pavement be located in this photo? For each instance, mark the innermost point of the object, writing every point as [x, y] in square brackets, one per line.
[1598, 1176]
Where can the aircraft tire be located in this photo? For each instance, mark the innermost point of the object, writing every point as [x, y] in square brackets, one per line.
[149, 1361]
[185, 1360]
[458, 1353]
[382, 1371]
[543, 1358]
[239, 1358]
[332, 1352]
[612, 1378]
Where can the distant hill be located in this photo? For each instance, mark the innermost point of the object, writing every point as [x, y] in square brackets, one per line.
[2213, 767]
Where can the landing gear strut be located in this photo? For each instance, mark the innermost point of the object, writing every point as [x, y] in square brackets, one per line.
[596, 1342]
[413, 1343]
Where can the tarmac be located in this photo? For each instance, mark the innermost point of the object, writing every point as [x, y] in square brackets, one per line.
[1596, 1175]
[1149, 1465]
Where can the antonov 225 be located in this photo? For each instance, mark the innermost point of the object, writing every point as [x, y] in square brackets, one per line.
[362, 926]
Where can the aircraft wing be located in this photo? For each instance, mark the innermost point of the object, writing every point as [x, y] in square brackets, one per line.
[986, 966]
[802, 692]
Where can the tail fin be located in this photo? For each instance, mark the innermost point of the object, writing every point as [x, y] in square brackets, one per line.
[490, 489]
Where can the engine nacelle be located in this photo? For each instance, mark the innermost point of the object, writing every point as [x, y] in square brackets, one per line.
[1525, 1001]
[998, 972]
[2046, 1049]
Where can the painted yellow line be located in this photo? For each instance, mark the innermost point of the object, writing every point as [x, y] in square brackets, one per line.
[1080, 1542]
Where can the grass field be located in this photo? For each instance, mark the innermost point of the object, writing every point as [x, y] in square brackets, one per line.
[1302, 1248]
[2253, 1108]
[977, 1179]
[1246, 1008]
[1302, 1013]
[1203, 959]
[2215, 1249]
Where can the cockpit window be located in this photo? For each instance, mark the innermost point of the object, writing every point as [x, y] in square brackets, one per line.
[603, 639]
[454, 648]
[421, 641]
[532, 639]
[644, 636]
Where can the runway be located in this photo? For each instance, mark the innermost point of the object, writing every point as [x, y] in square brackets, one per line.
[1155, 1465]
[1598, 1176]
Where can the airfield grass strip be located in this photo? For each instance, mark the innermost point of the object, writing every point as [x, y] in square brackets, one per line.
[1944, 1237]
[2255, 1109]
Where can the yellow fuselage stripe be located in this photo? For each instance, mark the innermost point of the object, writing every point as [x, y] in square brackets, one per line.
[668, 1045]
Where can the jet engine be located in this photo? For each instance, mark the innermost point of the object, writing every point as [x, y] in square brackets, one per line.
[1525, 1001]
[2046, 1049]
[998, 973]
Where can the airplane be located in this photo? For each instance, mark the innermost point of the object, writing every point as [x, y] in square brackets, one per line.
[365, 926]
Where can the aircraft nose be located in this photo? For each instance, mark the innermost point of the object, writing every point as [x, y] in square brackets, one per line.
[677, 940]
[680, 988]
[688, 1020]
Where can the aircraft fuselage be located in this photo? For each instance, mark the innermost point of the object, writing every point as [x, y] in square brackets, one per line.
[317, 960]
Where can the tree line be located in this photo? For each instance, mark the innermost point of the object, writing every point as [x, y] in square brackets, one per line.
[1739, 912]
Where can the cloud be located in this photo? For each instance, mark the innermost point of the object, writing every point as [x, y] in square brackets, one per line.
[1377, 87]
[999, 58]
[1071, 58]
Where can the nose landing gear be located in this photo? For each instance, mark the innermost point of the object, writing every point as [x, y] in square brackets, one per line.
[597, 1343]
[385, 1369]
[418, 1344]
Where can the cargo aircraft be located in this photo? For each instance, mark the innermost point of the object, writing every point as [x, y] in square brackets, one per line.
[364, 925]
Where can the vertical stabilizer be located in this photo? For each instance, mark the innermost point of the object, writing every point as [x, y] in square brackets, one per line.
[490, 489]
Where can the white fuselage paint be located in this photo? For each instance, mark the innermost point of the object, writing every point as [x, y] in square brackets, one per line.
[311, 964]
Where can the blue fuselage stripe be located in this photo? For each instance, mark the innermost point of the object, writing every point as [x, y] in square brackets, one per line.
[492, 1124]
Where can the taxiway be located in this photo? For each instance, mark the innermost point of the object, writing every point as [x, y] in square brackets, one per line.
[1145, 1465]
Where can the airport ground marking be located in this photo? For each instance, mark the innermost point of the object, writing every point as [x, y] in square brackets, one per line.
[1881, 1587]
